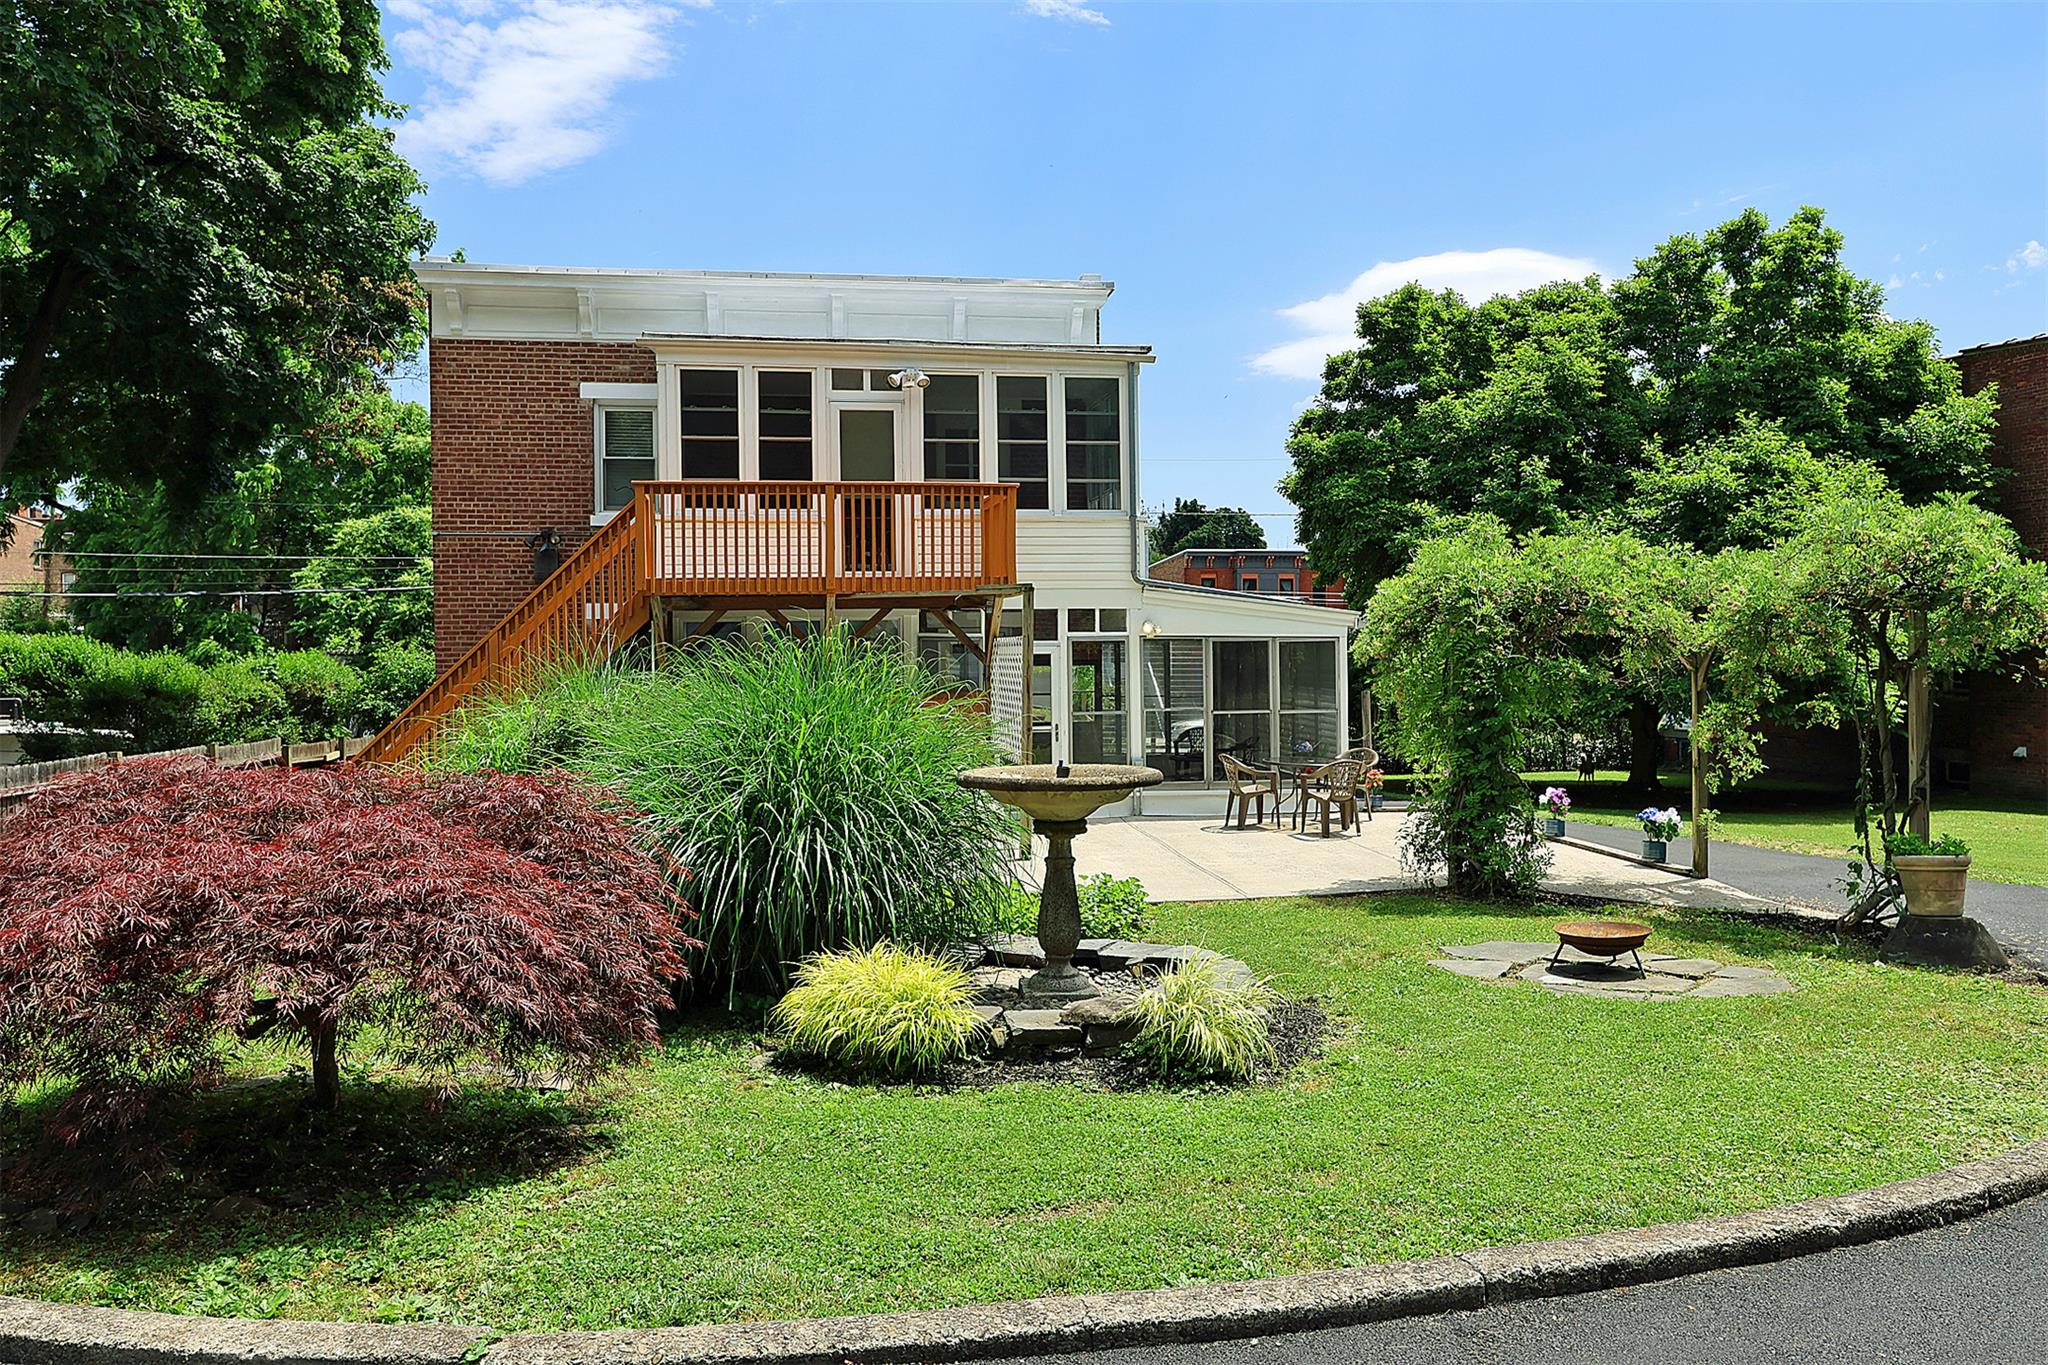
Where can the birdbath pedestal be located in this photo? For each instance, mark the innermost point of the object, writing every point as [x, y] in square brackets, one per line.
[1059, 799]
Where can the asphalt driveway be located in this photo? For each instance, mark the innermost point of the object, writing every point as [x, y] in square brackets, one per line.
[1975, 1291]
[2018, 915]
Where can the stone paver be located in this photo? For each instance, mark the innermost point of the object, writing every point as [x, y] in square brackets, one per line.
[1196, 858]
[1575, 973]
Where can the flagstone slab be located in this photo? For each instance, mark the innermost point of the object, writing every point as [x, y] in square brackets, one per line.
[1661, 977]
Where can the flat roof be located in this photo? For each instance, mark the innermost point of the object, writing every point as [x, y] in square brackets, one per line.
[437, 265]
[715, 340]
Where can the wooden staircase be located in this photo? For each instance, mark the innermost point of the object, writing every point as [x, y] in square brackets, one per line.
[586, 609]
[733, 545]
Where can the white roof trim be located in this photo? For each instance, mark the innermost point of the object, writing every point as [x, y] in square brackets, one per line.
[436, 271]
[1250, 604]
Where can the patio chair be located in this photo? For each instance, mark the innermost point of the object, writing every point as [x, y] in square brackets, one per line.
[1249, 785]
[1334, 786]
[1364, 758]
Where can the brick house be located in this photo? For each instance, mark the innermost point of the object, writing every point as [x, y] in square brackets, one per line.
[1269, 573]
[947, 464]
[30, 560]
[1991, 733]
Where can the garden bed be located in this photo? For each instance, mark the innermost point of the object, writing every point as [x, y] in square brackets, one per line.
[1438, 1117]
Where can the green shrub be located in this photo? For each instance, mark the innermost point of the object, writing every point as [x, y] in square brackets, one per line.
[885, 1009]
[1193, 1023]
[395, 675]
[807, 786]
[1111, 907]
[239, 703]
[322, 695]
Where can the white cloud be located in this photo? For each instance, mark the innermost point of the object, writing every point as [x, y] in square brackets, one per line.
[2032, 256]
[1331, 319]
[516, 88]
[1071, 11]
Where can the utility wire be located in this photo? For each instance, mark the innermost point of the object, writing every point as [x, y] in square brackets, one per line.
[224, 592]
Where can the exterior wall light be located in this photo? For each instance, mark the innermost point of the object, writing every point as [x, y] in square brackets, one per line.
[1148, 629]
[910, 377]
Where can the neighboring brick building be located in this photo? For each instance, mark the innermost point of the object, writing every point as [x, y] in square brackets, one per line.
[1986, 720]
[1269, 573]
[24, 566]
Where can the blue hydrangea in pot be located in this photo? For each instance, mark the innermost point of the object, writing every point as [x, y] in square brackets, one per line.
[1932, 874]
[1660, 827]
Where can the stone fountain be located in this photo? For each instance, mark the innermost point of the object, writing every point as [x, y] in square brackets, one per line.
[1059, 799]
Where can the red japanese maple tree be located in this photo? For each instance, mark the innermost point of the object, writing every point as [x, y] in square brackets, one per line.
[153, 911]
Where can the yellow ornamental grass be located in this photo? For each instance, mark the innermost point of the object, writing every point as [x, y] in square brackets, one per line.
[885, 1009]
[1194, 1022]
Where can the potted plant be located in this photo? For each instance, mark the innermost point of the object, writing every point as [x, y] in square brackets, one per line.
[1660, 827]
[1373, 782]
[1932, 874]
[1556, 804]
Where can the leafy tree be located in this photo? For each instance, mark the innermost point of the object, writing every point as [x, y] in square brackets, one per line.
[204, 232]
[1191, 526]
[157, 909]
[1521, 408]
[1887, 593]
[372, 585]
[366, 457]
[1704, 397]
[1477, 643]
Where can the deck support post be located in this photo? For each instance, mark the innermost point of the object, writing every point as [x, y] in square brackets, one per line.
[657, 629]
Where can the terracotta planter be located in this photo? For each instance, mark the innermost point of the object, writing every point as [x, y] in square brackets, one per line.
[1655, 849]
[1933, 886]
[1553, 827]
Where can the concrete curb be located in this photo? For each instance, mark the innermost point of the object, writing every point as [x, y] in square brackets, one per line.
[33, 1333]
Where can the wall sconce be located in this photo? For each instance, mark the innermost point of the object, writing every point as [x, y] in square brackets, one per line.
[1148, 629]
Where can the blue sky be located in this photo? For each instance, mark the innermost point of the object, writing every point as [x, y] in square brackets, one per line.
[1243, 172]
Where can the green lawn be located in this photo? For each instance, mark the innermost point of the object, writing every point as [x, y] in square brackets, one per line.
[1449, 1114]
[2008, 839]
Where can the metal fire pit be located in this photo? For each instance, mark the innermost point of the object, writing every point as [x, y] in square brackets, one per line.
[1603, 938]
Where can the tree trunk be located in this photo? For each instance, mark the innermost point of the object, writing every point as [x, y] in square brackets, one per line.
[24, 378]
[1919, 729]
[1645, 747]
[326, 1066]
[1698, 669]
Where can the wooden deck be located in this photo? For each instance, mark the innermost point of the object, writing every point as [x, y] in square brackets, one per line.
[727, 545]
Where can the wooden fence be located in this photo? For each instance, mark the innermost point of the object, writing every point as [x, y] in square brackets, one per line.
[19, 781]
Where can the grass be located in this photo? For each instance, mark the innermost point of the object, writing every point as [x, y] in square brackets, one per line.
[1447, 1114]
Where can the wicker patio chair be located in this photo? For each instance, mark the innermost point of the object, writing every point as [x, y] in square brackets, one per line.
[1334, 786]
[1249, 785]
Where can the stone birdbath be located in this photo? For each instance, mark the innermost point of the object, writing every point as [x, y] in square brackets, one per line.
[1059, 799]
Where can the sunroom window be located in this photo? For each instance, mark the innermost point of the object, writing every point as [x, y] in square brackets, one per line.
[625, 452]
[1094, 445]
[952, 428]
[1023, 436]
[785, 417]
[710, 416]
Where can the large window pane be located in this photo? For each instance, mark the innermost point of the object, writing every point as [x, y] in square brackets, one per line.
[1170, 686]
[1096, 687]
[1242, 702]
[1094, 444]
[952, 428]
[1023, 438]
[626, 443]
[785, 416]
[1308, 701]
[709, 410]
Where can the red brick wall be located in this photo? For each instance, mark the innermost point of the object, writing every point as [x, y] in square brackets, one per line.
[2004, 715]
[512, 455]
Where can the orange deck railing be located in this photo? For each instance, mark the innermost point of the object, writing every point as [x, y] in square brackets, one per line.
[766, 543]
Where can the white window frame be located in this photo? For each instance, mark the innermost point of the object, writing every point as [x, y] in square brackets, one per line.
[1123, 447]
[600, 514]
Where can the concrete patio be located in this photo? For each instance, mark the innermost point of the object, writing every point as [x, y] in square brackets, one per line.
[1199, 858]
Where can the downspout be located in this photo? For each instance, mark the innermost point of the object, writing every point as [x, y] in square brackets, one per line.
[1138, 562]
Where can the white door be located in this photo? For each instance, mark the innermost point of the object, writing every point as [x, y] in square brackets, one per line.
[870, 441]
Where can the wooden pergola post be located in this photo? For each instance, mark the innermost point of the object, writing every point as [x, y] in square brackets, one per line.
[1919, 729]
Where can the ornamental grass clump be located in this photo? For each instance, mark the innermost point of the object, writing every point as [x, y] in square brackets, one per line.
[807, 785]
[884, 1010]
[1194, 1023]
